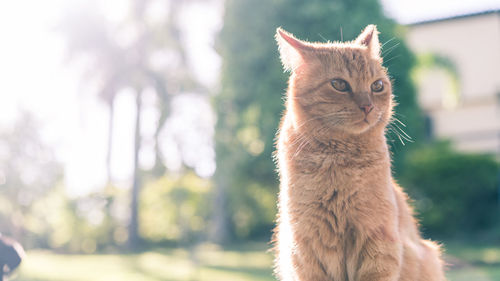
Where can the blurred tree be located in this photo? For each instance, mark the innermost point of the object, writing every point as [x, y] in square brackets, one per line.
[136, 53]
[250, 102]
[184, 223]
[455, 192]
[28, 171]
[34, 206]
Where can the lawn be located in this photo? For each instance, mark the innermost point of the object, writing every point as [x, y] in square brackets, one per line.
[208, 262]
[473, 262]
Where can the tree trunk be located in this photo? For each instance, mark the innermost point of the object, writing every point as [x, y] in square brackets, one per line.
[133, 237]
[111, 110]
[219, 233]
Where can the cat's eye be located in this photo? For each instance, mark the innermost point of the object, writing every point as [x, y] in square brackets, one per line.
[377, 86]
[340, 85]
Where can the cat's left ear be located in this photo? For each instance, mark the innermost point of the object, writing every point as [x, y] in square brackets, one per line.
[292, 50]
[369, 38]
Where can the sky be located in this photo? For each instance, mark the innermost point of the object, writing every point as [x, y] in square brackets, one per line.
[35, 76]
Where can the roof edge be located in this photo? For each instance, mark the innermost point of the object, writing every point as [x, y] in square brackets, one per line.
[455, 17]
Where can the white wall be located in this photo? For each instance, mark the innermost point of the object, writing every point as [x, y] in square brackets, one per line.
[473, 44]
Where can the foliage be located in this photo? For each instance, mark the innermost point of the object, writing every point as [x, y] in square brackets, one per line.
[135, 53]
[49, 223]
[174, 208]
[34, 206]
[455, 193]
[250, 102]
[85, 224]
[28, 172]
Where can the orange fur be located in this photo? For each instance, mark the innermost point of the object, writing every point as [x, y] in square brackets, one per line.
[341, 215]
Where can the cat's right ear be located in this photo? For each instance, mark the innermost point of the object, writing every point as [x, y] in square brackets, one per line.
[292, 50]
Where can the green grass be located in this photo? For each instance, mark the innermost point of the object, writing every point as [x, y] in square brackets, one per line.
[473, 262]
[240, 263]
[207, 262]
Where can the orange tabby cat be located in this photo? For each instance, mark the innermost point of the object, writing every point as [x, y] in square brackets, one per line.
[341, 215]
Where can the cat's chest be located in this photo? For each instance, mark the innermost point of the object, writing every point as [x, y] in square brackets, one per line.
[340, 190]
[333, 170]
[340, 182]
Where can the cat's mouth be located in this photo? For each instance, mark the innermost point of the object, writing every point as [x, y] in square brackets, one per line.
[361, 125]
[363, 120]
[366, 121]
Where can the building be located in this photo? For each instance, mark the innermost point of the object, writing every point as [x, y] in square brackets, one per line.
[459, 78]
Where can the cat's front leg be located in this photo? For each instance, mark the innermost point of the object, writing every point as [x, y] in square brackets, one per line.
[306, 263]
[308, 268]
[380, 259]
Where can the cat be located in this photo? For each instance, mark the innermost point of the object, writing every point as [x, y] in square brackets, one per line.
[341, 215]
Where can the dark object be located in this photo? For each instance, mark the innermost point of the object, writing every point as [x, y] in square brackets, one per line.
[11, 254]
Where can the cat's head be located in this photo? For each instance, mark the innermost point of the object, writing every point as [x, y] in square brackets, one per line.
[337, 87]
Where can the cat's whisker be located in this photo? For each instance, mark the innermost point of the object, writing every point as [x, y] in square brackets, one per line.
[301, 138]
[300, 147]
[399, 121]
[334, 114]
[381, 47]
[390, 49]
[399, 114]
[326, 40]
[398, 135]
[304, 141]
[407, 137]
[390, 128]
[397, 56]
[400, 129]
[307, 121]
[404, 133]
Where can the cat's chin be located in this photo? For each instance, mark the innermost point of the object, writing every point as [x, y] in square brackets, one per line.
[361, 126]
[372, 121]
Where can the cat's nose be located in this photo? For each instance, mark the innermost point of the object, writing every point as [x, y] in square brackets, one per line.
[367, 108]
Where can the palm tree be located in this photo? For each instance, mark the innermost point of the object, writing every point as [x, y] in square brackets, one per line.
[115, 66]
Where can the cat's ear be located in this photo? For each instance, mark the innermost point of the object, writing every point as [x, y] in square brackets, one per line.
[292, 50]
[369, 38]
